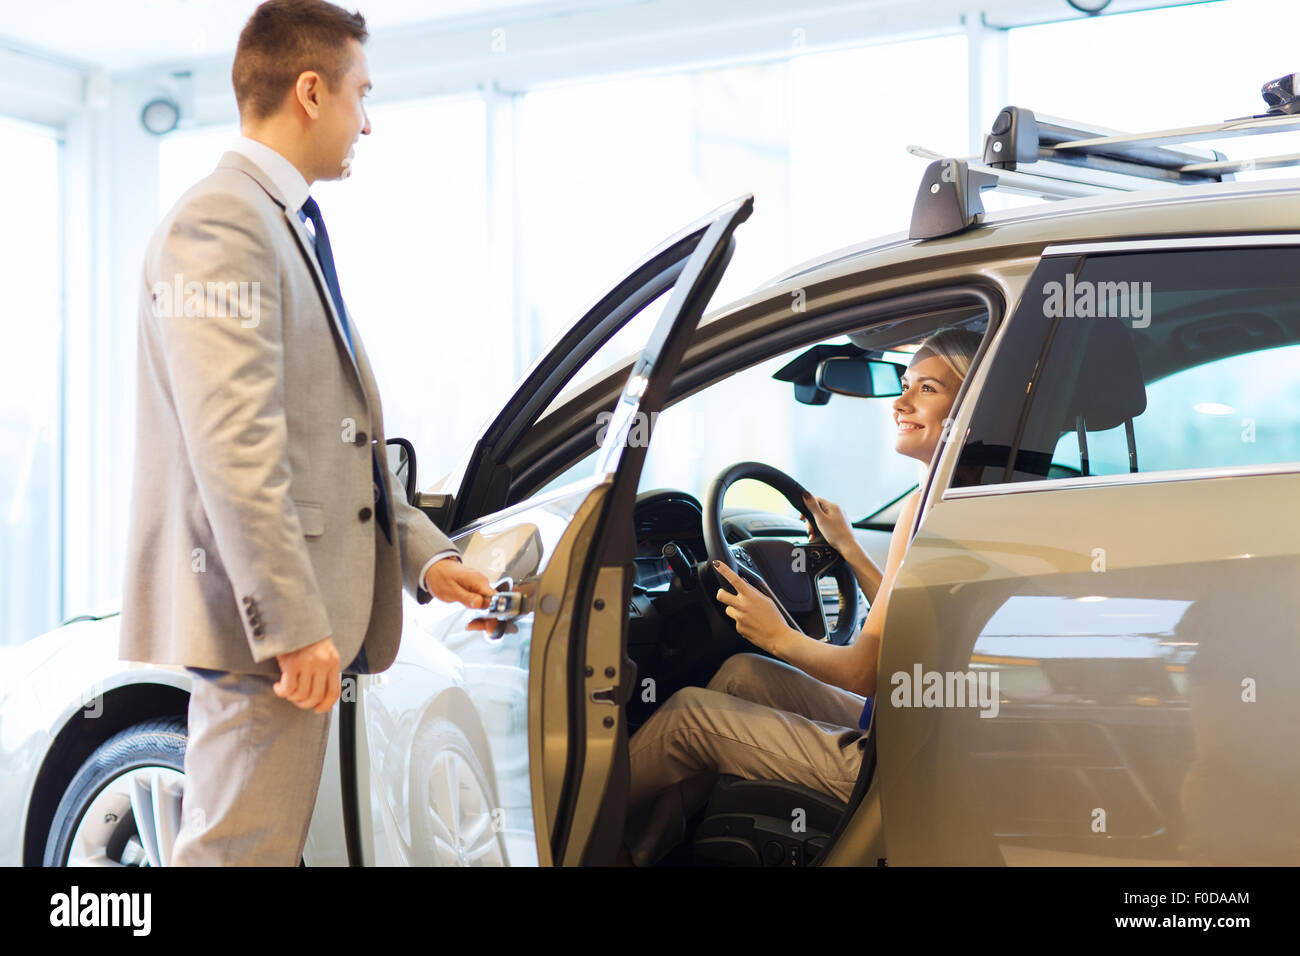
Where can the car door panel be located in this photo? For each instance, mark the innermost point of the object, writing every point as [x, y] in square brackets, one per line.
[1121, 733]
[1128, 724]
[597, 675]
[531, 747]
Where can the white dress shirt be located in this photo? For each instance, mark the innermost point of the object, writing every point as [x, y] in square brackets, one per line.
[286, 178]
[279, 170]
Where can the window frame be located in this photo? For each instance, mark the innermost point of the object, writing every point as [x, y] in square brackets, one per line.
[697, 374]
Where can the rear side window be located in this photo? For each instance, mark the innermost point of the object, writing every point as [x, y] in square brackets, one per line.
[1137, 362]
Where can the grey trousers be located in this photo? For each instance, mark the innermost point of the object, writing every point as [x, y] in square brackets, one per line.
[760, 719]
[252, 770]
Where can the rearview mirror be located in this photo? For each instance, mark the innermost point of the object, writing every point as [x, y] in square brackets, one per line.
[859, 377]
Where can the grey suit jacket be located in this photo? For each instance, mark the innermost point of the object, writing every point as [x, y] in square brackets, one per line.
[252, 530]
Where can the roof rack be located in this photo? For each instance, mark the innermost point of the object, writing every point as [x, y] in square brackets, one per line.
[1058, 159]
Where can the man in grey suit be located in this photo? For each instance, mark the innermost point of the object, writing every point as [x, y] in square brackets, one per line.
[269, 543]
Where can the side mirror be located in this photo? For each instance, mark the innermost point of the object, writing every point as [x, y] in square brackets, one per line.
[401, 462]
[860, 378]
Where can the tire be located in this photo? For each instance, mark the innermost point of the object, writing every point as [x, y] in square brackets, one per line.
[152, 751]
[453, 804]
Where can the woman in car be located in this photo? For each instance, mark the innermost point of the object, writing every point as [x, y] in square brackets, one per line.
[796, 718]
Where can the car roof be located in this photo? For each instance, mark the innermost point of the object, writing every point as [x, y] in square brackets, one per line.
[1258, 207]
[1210, 209]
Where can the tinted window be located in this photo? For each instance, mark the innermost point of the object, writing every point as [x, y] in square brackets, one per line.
[1156, 361]
[997, 418]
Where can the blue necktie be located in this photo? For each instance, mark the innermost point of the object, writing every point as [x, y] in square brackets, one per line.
[325, 257]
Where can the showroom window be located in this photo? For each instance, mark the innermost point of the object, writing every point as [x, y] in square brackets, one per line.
[1158, 69]
[409, 231]
[609, 169]
[30, 485]
[1157, 361]
[186, 156]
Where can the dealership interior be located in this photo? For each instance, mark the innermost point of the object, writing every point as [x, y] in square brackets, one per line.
[523, 153]
[513, 239]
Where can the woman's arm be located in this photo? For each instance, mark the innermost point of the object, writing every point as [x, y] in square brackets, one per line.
[835, 527]
[864, 569]
[852, 666]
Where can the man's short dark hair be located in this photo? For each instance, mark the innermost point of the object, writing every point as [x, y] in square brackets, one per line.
[281, 40]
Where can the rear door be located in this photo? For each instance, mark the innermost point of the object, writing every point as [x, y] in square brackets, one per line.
[1109, 576]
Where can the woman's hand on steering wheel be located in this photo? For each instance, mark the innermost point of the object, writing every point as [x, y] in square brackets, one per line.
[788, 575]
[831, 522]
[757, 618]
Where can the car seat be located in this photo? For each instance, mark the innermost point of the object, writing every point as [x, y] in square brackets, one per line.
[753, 822]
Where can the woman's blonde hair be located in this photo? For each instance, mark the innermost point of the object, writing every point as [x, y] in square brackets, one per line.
[956, 346]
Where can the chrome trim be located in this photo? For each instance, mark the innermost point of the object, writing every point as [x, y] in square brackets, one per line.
[1242, 126]
[1172, 196]
[1106, 481]
[1181, 242]
[1243, 165]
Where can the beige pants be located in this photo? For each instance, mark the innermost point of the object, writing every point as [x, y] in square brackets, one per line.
[760, 719]
[252, 770]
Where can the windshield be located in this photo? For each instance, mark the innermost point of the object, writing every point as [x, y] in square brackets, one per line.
[843, 450]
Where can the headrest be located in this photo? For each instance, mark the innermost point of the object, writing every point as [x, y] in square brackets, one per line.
[1109, 389]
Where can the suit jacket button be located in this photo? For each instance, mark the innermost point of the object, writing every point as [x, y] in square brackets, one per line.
[257, 631]
[364, 514]
[361, 438]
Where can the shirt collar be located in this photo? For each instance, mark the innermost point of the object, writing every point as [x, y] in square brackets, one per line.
[282, 173]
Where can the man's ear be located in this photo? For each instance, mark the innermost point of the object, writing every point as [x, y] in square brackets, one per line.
[307, 92]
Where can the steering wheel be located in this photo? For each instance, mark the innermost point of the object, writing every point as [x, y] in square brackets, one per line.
[787, 574]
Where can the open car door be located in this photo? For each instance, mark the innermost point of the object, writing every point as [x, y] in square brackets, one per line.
[580, 675]
[499, 737]
[480, 484]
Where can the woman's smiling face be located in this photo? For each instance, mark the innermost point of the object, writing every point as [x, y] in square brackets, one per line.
[929, 387]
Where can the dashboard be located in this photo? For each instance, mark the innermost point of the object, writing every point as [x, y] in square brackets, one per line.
[660, 517]
[667, 515]
[672, 634]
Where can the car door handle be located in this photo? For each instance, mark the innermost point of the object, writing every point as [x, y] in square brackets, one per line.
[507, 602]
[505, 605]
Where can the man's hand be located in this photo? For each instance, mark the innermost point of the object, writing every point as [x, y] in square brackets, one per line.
[450, 580]
[309, 676]
[757, 618]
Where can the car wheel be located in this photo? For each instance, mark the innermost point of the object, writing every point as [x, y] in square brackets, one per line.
[453, 816]
[123, 806]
